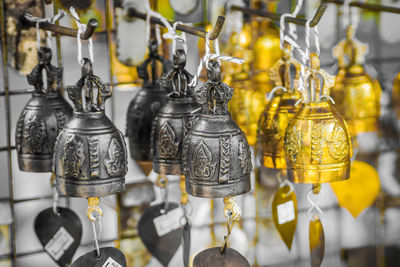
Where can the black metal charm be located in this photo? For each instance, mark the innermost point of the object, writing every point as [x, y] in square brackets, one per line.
[145, 106]
[216, 155]
[162, 247]
[213, 257]
[59, 233]
[90, 158]
[175, 119]
[109, 257]
[42, 118]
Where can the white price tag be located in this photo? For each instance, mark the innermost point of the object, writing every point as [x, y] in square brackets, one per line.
[286, 212]
[60, 242]
[111, 263]
[169, 222]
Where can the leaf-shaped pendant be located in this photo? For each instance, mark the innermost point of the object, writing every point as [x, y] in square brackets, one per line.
[284, 213]
[317, 242]
[360, 190]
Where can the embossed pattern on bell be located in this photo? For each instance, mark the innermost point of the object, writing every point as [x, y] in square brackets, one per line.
[217, 159]
[175, 118]
[317, 142]
[90, 157]
[44, 116]
[145, 105]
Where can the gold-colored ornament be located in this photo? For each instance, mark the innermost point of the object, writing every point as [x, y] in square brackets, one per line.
[317, 141]
[279, 111]
[356, 94]
[360, 190]
[396, 95]
[317, 241]
[247, 102]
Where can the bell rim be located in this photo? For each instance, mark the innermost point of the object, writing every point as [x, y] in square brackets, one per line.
[234, 188]
[340, 172]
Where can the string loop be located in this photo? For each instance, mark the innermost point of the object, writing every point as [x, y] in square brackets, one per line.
[314, 205]
[81, 29]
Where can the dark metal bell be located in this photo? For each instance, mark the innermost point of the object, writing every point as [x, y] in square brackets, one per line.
[213, 257]
[174, 120]
[90, 158]
[42, 118]
[145, 105]
[216, 155]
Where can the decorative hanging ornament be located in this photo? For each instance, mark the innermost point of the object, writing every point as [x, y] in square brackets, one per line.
[145, 106]
[317, 141]
[356, 94]
[175, 118]
[90, 158]
[43, 117]
[279, 111]
[216, 155]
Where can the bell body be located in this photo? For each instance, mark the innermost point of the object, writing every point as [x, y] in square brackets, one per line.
[141, 113]
[318, 145]
[272, 128]
[36, 134]
[220, 159]
[170, 127]
[357, 98]
[90, 158]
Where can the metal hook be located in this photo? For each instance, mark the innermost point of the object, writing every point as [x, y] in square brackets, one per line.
[65, 31]
[275, 16]
[214, 34]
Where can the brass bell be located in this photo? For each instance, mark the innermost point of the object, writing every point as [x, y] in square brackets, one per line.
[317, 141]
[90, 157]
[216, 155]
[175, 119]
[279, 111]
[145, 105]
[356, 94]
[42, 118]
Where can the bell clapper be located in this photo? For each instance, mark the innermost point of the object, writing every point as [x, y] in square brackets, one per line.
[95, 214]
[232, 214]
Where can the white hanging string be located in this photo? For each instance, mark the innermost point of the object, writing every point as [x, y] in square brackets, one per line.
[314, 205]
[152, 13]
[52, 20]
[209, 56]
[176, 37]
[81, 29]
[55, 200]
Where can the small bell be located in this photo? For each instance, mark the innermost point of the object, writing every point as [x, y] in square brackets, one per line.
[279, 111]
[174, 120]
[216, 155]
[145, 105]
[317, 141]
[356, 94]
[42, 118]
[90, 158]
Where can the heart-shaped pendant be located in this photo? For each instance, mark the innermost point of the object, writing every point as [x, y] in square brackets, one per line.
[213, 257]
[109, 257]
[160, 229]
[60, 234]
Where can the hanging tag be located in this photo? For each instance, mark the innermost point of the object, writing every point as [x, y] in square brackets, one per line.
[186, 243]
[317, 242]
[284, 213]
[162, 242]
[213, 257]
[360, 190]
[60, 234]
[109, 257]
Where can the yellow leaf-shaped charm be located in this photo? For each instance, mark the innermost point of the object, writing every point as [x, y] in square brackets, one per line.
[317, 242]
[360, 190]
[284, 213]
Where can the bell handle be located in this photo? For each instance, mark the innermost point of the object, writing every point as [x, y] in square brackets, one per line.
[270, 95]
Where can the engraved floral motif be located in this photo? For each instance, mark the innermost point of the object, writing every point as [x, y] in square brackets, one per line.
[115, 163]
[167, 147]
[73, 156]
[202, 166]
[61, 120]
[292, 143]
[245, 156]
[225, 159]
[316, 143]
[94, 157]
[337, 145]
[35, 136]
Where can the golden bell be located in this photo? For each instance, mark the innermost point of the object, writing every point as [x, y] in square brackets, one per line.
[356, 94]
[279, 111]
[317, 141]
[247, 102]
